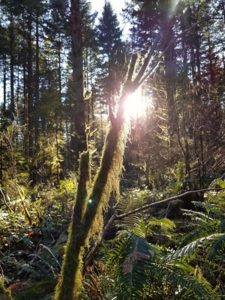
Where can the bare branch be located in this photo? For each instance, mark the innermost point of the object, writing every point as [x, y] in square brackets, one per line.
[114, 217]
[145, 64]
[132, 67]
[149, 74]
[165, 201]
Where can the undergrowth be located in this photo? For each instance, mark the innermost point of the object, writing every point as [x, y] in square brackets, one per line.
[151, 257]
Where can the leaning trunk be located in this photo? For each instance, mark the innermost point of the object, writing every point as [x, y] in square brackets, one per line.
[87, 216]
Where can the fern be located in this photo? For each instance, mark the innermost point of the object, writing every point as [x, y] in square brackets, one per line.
[186, 286]
[192, 247]
[130, 258]
[142, 228]
[141, 267]
[197, 215]
[194, 271]
[217, 247]
[202, 230]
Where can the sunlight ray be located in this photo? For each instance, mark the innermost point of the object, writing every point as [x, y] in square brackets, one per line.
[173, 7]
[136, 105]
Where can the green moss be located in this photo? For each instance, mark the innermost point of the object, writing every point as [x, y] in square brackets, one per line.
[36, 291]
[3, 291]
[88, 210]
[107, 179]
[83, 185]
[71, 276]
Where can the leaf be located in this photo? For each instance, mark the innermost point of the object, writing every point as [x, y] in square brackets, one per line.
[141, 251]
[192, 247]
[217, 246]
[218, 183]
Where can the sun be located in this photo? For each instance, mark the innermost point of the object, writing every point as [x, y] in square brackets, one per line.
[136, 105]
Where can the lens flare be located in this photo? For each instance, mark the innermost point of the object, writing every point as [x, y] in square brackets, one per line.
[174, 7]
[136, 105]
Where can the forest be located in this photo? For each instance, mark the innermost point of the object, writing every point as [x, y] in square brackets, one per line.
[112, 150]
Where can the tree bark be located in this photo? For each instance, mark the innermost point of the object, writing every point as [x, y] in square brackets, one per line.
[170, 67]
[37, 80]
[30, 85]
[78, 138]
[11, 49]
[4, 83]
[87, 217]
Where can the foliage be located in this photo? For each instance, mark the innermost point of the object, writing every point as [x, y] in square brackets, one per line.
[60, 82]
[4, 293]
[12, 158]
[30, 229]
[152, 258]
[141, 272]
[204, 244]
[47, 161]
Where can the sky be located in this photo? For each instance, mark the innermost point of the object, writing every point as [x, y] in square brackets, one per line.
[97, 5]
[117, 5]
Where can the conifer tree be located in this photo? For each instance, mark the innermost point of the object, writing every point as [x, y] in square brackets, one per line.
[81, 21]
[110, 47]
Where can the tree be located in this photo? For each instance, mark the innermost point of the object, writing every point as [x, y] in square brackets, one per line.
[78, 138]
[87, 214]
[110, 57]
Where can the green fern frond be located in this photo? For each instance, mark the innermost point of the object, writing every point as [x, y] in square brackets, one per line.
[130, 259]
[215, 201]
[142, 228]
[202, 230]
[140, 266]
[217, 247]
[217, 182]
[197, 215]
[129, 222]
[213, 206]
[129, 243]
[187, 284]
[119, 249]
[139, 228]
[192, 247]
[165, 224]
[211, 269]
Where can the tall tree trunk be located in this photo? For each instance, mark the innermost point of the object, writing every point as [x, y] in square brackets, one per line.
[11, 49]
[25, 104]
[37, 78]
[4, 83]
[78, 138]
[185, 119]
[170, 67]
[59, 46]
[30, 95]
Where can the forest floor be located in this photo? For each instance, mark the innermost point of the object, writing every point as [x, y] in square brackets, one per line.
[34, 233]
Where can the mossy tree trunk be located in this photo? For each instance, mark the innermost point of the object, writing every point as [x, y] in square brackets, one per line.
[87, 215]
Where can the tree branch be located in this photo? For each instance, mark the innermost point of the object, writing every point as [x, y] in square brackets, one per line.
[145, 64]
[165, 201]
[131, 67]
[150, 73]
[115, 216]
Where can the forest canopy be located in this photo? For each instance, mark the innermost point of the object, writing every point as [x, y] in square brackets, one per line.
[112, 146]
